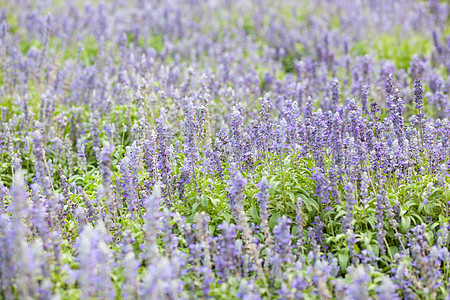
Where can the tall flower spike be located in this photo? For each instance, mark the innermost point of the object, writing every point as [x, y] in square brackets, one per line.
[381, 232]
[359, 287]
[128, 189]
[389, 86]
[152, 224]
[265, 108]
[237, 133]
[235, 194]
[387, 290]
[190, 130]
[418, 98]
[335, 92]
[283, 239]
[3, 197]
[20, 260]
[299, 223]
[248, 290]
[150, 157]
[105, 170]
[262, 196]
[95, 262]
[41, 165]
[204, 237]
[130, 287]
[364, 96]
[418, 93]
[164, 154]
[309, 107]
[229, 251]
[348, 219]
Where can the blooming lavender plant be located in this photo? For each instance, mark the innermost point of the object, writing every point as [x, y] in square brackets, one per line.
[151, 151]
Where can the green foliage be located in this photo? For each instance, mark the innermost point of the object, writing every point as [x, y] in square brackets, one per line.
[90, 50]
[401, 50]
[26, 45]
[288, 62]
[156, 42]
[360, 48]
[248, 25]
[423, 201]
[392, 47]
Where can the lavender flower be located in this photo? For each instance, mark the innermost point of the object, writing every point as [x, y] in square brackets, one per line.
[381, 232]
[165, 107]
[364, 96]
[262, 196]
[299, 223]
[228, 258]
[235, 194]
[205, 240]
[358, 289]
[95, 259]
[387, 290]
[164, 155]
[335, 91]
[42, 173]
[247, 291]
[418, 96]
[283, 239]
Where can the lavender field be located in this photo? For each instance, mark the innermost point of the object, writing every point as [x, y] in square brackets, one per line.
[224, 149]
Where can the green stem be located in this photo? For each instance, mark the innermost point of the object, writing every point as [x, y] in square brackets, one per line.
[388, 249]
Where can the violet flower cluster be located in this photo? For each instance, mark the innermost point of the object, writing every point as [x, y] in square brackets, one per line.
[217, 149]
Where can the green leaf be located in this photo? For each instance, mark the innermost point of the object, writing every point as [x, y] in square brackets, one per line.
[254, 214]
[393, 250]
[420, 208]
[311, 203]
[343, 261]
[204, 202]
[307, 204]
[430, 237]
[339, 214]
[194, 208]
[273, 220]
[215, 202]
[374, 249]
[405, 224]
[212, 228]
[302, 191]
[292, 196]
[371, 221]
[227, 216]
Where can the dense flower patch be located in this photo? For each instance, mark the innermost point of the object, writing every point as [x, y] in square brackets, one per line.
[223, 149]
